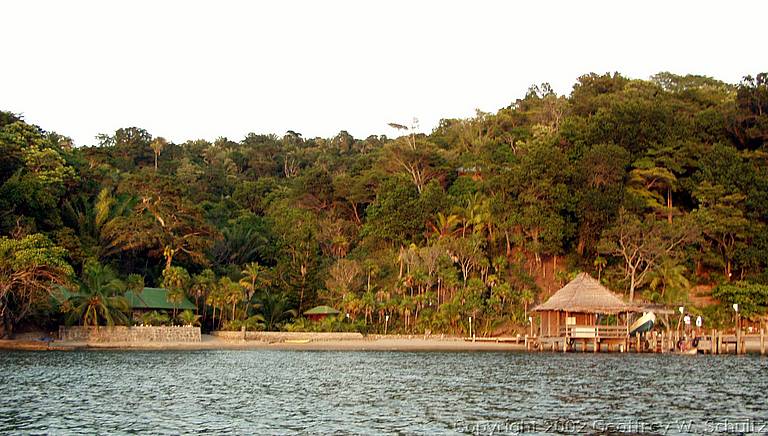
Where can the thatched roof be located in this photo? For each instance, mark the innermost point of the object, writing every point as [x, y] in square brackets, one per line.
[585, 294]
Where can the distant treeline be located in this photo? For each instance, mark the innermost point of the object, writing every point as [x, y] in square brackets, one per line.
[659, 187]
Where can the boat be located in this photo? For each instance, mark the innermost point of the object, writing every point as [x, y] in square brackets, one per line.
[297, 341]
[643, 324]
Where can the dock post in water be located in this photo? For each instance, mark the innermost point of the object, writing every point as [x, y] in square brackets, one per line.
[662, 341]
[712, 343]
[719, 343]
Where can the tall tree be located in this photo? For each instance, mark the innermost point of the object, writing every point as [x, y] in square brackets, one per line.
[643, 243]
[31, 270]
[157, 145]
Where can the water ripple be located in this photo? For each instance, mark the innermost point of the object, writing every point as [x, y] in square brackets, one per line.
[285, 392]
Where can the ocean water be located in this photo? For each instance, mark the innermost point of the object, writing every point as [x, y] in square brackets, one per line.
[304, 392]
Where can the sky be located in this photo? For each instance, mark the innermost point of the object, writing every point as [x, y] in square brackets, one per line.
[201, 70]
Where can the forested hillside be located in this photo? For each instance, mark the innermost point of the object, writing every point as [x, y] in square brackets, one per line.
[659, 187]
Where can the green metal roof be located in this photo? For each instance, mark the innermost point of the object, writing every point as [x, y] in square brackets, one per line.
[322, 310]
[155, 298]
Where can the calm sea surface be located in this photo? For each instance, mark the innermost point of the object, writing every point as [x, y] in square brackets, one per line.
[277, 392]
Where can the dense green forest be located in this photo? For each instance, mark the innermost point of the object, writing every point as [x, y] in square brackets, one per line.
[658, 187]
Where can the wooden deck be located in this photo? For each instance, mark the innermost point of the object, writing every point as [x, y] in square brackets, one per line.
[615, 338]
[592, 332]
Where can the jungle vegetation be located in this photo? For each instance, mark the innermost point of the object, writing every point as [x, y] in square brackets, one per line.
[658, 187]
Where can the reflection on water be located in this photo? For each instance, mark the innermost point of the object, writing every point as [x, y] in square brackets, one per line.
[370, 392]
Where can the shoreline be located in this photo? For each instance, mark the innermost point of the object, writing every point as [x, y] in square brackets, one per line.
[213, 343]
[309, 343]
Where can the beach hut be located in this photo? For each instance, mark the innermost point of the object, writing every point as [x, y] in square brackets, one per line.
[320, 312]
[583, 311]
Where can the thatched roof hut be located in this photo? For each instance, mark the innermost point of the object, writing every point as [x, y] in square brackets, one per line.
[585, 295]
[576, 310]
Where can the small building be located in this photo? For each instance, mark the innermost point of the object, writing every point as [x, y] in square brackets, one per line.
[320, 312]
[155, 299]
[584, 312]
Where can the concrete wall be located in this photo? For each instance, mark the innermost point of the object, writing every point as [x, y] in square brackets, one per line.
[129, 334]
[283, 336]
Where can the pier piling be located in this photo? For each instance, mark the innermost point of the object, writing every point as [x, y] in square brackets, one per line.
[719, 343]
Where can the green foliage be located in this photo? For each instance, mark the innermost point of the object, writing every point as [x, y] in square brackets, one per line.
[752, 298]
[275, 310]
[187, 317]
[653, 185]
[31, 270]
[154, 318]
[177, 281]
[99, 299]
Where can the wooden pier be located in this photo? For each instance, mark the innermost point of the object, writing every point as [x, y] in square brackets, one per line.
[615, 339]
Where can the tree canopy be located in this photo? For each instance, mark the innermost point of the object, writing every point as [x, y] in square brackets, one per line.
[658, 186]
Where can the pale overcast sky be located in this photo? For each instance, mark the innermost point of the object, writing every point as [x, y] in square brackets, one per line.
[192, 69]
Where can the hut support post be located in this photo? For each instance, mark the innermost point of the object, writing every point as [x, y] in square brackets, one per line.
[719, 343]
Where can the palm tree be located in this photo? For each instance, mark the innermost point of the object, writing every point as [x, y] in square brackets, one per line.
[154, 318]
[158, 144]
[175, 296]
[274, 309]
[99, 299]
[600, 263]
[95, 220]
[201, 285]
[368, 304]
[214, 299]
[526, 297]
[176, 280]
[253, 275]
[187, 317]
[444, 225]
[233, 293]
[134, 283]
[669, 282]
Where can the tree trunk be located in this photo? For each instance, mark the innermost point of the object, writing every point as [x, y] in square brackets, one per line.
[669, 204]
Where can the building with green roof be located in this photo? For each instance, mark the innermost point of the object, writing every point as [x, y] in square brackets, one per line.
[155, 299]
[320, 312]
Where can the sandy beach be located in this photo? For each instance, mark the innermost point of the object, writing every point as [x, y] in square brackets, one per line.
[395, 343]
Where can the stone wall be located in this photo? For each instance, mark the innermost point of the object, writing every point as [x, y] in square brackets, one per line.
[130, 334]
[284, 336]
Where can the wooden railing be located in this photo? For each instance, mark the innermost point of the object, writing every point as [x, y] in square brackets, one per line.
[591, 331]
